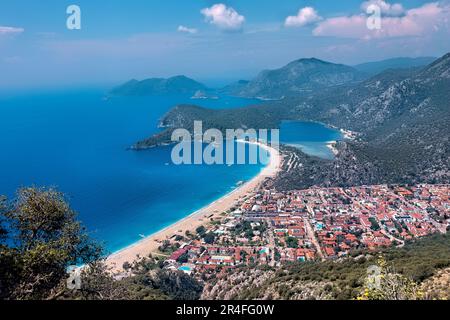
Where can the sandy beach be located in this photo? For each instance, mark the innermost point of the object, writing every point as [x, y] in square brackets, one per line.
[332, 146]
[201, 217]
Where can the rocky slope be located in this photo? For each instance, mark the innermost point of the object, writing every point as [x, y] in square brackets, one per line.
[425, 262]
[438, 286]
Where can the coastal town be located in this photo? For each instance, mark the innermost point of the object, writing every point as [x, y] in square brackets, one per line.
[271, 228]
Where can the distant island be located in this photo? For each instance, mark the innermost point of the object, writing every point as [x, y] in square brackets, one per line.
[159, 86]
[201, 94]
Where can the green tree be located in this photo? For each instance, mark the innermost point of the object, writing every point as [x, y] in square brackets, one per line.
[292, 242]
[209, 238]
[375, 226]
[41, 240]
[98, 283]
[200, 230]
[183, 258]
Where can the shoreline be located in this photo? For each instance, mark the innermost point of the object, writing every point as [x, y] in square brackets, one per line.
[332, 146]
[151, 243]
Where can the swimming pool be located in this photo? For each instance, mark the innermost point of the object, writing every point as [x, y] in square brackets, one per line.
[185, 268]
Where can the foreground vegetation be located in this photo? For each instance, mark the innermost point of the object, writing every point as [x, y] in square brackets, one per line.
[411, 267]
[40, 238]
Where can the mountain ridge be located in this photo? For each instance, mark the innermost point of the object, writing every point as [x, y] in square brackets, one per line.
[376, 67]
[297, 77]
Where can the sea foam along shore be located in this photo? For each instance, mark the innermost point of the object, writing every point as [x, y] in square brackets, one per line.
[151, 243]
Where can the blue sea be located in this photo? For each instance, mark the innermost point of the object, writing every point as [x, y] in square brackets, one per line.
[77, 141]
[310, 137]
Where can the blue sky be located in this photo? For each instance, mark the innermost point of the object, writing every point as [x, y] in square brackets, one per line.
[207, 40]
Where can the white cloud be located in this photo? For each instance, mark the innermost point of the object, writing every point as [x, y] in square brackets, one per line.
[225, 18]
[304, 17]
[421, 21]
[387, 9]
[10, 30]
[187, 30]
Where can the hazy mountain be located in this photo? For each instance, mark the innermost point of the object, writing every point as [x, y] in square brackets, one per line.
[174, 85]
[376, 67]
[300, 76]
